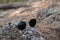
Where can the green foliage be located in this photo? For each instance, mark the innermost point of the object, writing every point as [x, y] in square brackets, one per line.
[7, 1]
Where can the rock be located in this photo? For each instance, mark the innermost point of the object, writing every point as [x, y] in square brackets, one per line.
[47, 26]
[26, 34]
[49, 22]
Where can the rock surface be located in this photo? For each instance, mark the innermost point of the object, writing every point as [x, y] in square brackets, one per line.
[47, 27]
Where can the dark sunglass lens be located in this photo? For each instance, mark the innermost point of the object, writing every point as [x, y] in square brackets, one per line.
[32, 22]
[21, 25]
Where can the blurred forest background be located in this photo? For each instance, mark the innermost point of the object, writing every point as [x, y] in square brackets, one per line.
[10, 1]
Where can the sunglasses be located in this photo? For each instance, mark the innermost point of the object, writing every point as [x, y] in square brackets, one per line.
[22, 24]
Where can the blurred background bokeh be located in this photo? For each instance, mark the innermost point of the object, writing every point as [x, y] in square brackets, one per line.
[10, 1]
